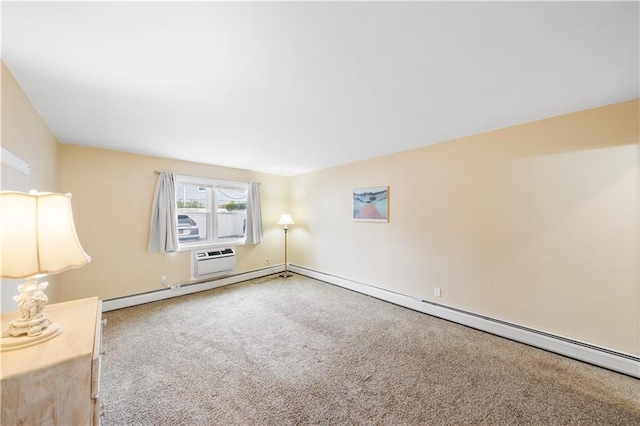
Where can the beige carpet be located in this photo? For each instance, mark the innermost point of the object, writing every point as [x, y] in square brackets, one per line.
[276, 352]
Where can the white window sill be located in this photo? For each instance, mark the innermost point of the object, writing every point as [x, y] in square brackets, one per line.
[204, 246]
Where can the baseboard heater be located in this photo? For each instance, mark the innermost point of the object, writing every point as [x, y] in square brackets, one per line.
[207, 263]
[621, 362]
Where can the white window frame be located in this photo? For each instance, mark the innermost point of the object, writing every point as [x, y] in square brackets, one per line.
[212, 228]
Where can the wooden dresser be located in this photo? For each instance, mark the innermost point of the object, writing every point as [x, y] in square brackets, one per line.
[57, 381]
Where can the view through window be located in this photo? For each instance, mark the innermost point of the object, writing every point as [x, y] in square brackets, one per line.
[210, 212]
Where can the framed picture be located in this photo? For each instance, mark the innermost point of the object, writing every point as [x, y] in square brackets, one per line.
[371, 204]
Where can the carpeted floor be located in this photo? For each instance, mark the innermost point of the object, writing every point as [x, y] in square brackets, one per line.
[299, 351]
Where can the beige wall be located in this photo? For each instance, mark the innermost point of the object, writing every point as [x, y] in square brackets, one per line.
[27, 136]
[112, 197]
[535, 224]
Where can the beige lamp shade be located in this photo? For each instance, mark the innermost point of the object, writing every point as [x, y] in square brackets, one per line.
[285, 220]
[38, 235]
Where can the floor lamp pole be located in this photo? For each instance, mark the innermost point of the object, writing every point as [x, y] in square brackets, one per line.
[285, 220]
[286, 273]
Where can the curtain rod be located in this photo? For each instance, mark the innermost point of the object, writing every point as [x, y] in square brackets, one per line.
[259, 183]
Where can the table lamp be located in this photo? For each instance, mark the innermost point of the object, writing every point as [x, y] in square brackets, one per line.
[38, 238]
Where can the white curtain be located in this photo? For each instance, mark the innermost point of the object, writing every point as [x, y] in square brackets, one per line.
[253, 234]
[163, 234]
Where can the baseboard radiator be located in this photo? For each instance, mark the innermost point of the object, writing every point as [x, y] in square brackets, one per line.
[182, 289]
[592, 354]
[208, 263]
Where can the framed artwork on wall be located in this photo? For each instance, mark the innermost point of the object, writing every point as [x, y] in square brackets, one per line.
[371, 204]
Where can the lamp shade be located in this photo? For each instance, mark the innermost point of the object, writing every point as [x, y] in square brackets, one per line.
[38, 235]
[285, 220]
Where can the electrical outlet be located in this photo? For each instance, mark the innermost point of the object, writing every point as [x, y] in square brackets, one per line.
[163, 280]
[436, 292]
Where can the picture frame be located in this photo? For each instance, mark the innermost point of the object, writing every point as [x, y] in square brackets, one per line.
[371, 204]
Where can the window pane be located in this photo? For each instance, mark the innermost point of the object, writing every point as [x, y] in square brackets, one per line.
[192, 202]
[191, 196]
[231, 212]
[192, 227]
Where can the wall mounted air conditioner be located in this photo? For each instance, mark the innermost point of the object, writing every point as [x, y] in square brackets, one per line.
[207, 263]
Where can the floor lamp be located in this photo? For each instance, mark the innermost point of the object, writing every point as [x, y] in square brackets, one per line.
[285, 220]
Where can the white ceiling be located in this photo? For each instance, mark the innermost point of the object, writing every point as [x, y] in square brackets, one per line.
[289, 87]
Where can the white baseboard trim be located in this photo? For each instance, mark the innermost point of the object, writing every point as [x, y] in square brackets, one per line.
[181, 290]
[602, 357]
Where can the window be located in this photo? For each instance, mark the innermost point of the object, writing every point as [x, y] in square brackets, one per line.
[210, 212]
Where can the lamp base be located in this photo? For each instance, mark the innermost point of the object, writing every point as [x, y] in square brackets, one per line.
[286, 274]
[32, 327]
[11, 343]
